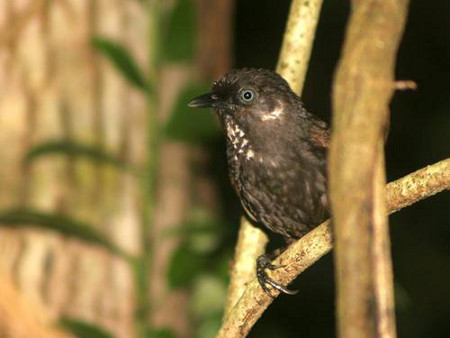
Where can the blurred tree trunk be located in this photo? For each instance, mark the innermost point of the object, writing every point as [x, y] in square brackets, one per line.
[54, 87]
[179, 188]
[33, 320]
[170, 307]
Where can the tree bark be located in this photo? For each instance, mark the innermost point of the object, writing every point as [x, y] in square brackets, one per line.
[363, 87]
[33, 321]
[180, 189]
[56, 87]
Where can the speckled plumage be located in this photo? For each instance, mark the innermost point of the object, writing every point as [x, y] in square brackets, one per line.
[282, 184]
[276, 151]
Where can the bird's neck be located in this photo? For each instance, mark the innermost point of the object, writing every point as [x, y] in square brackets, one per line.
[253, 141]
[237, 136]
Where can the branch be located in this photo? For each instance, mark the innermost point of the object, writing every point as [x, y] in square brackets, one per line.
[362, 90]
[292, 65]
[250, 245]
[298, 41]
[309, 249]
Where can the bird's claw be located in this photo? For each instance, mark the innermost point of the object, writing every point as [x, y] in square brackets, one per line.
[262, 263]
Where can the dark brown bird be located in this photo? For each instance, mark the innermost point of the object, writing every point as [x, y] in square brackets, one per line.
[277, 153]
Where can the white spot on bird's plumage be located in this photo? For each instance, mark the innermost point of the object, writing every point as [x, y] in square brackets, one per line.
[274, 115]
[236, 138]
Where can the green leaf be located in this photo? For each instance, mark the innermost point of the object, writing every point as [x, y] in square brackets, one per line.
[222, 265]
[184, 266]
[202, 237]
[201, 232]
[208, 296]
[192, 228]
[181, 33]
[209, 327]
[83, 329]
[160, 333]
[73, 149]
[61, 224]
[121, 58]
[190, 124]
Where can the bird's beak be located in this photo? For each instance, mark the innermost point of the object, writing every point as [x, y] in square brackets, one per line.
[203, 101]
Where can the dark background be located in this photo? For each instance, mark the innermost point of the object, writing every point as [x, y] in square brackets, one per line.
[419, 135]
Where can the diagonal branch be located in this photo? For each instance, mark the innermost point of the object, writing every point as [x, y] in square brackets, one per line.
[309, 249]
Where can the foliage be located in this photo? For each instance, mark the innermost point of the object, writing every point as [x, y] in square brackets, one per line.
[121, 58]
[188, 125]
[200, 264]
[209, 326]
[160, 333]
[83, 329]
[61, 224]
[74, 149]
[208, 296]
[201, 260]
[184, 268]
[181, 33]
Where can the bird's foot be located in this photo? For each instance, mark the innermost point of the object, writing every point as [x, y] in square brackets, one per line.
[262, 263]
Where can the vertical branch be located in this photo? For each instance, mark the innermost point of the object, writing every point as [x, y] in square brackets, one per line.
[251, 243]
[363, 87]
[292, 65]
[382, 263]
[244, 263]
[298, 41]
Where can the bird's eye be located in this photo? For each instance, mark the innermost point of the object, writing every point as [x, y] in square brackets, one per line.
[247, 95]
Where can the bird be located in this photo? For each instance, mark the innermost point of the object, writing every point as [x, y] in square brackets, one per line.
[277, 156]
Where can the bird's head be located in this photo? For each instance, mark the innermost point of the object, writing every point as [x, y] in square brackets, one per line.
[248, 96]
[259, 111]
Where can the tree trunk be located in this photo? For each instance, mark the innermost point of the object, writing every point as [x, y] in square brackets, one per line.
[53, 86]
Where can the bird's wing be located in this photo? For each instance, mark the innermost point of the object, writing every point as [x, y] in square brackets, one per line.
[320, 134]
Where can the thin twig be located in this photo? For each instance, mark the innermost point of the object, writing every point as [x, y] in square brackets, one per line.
[309, 249]
[405, 85]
